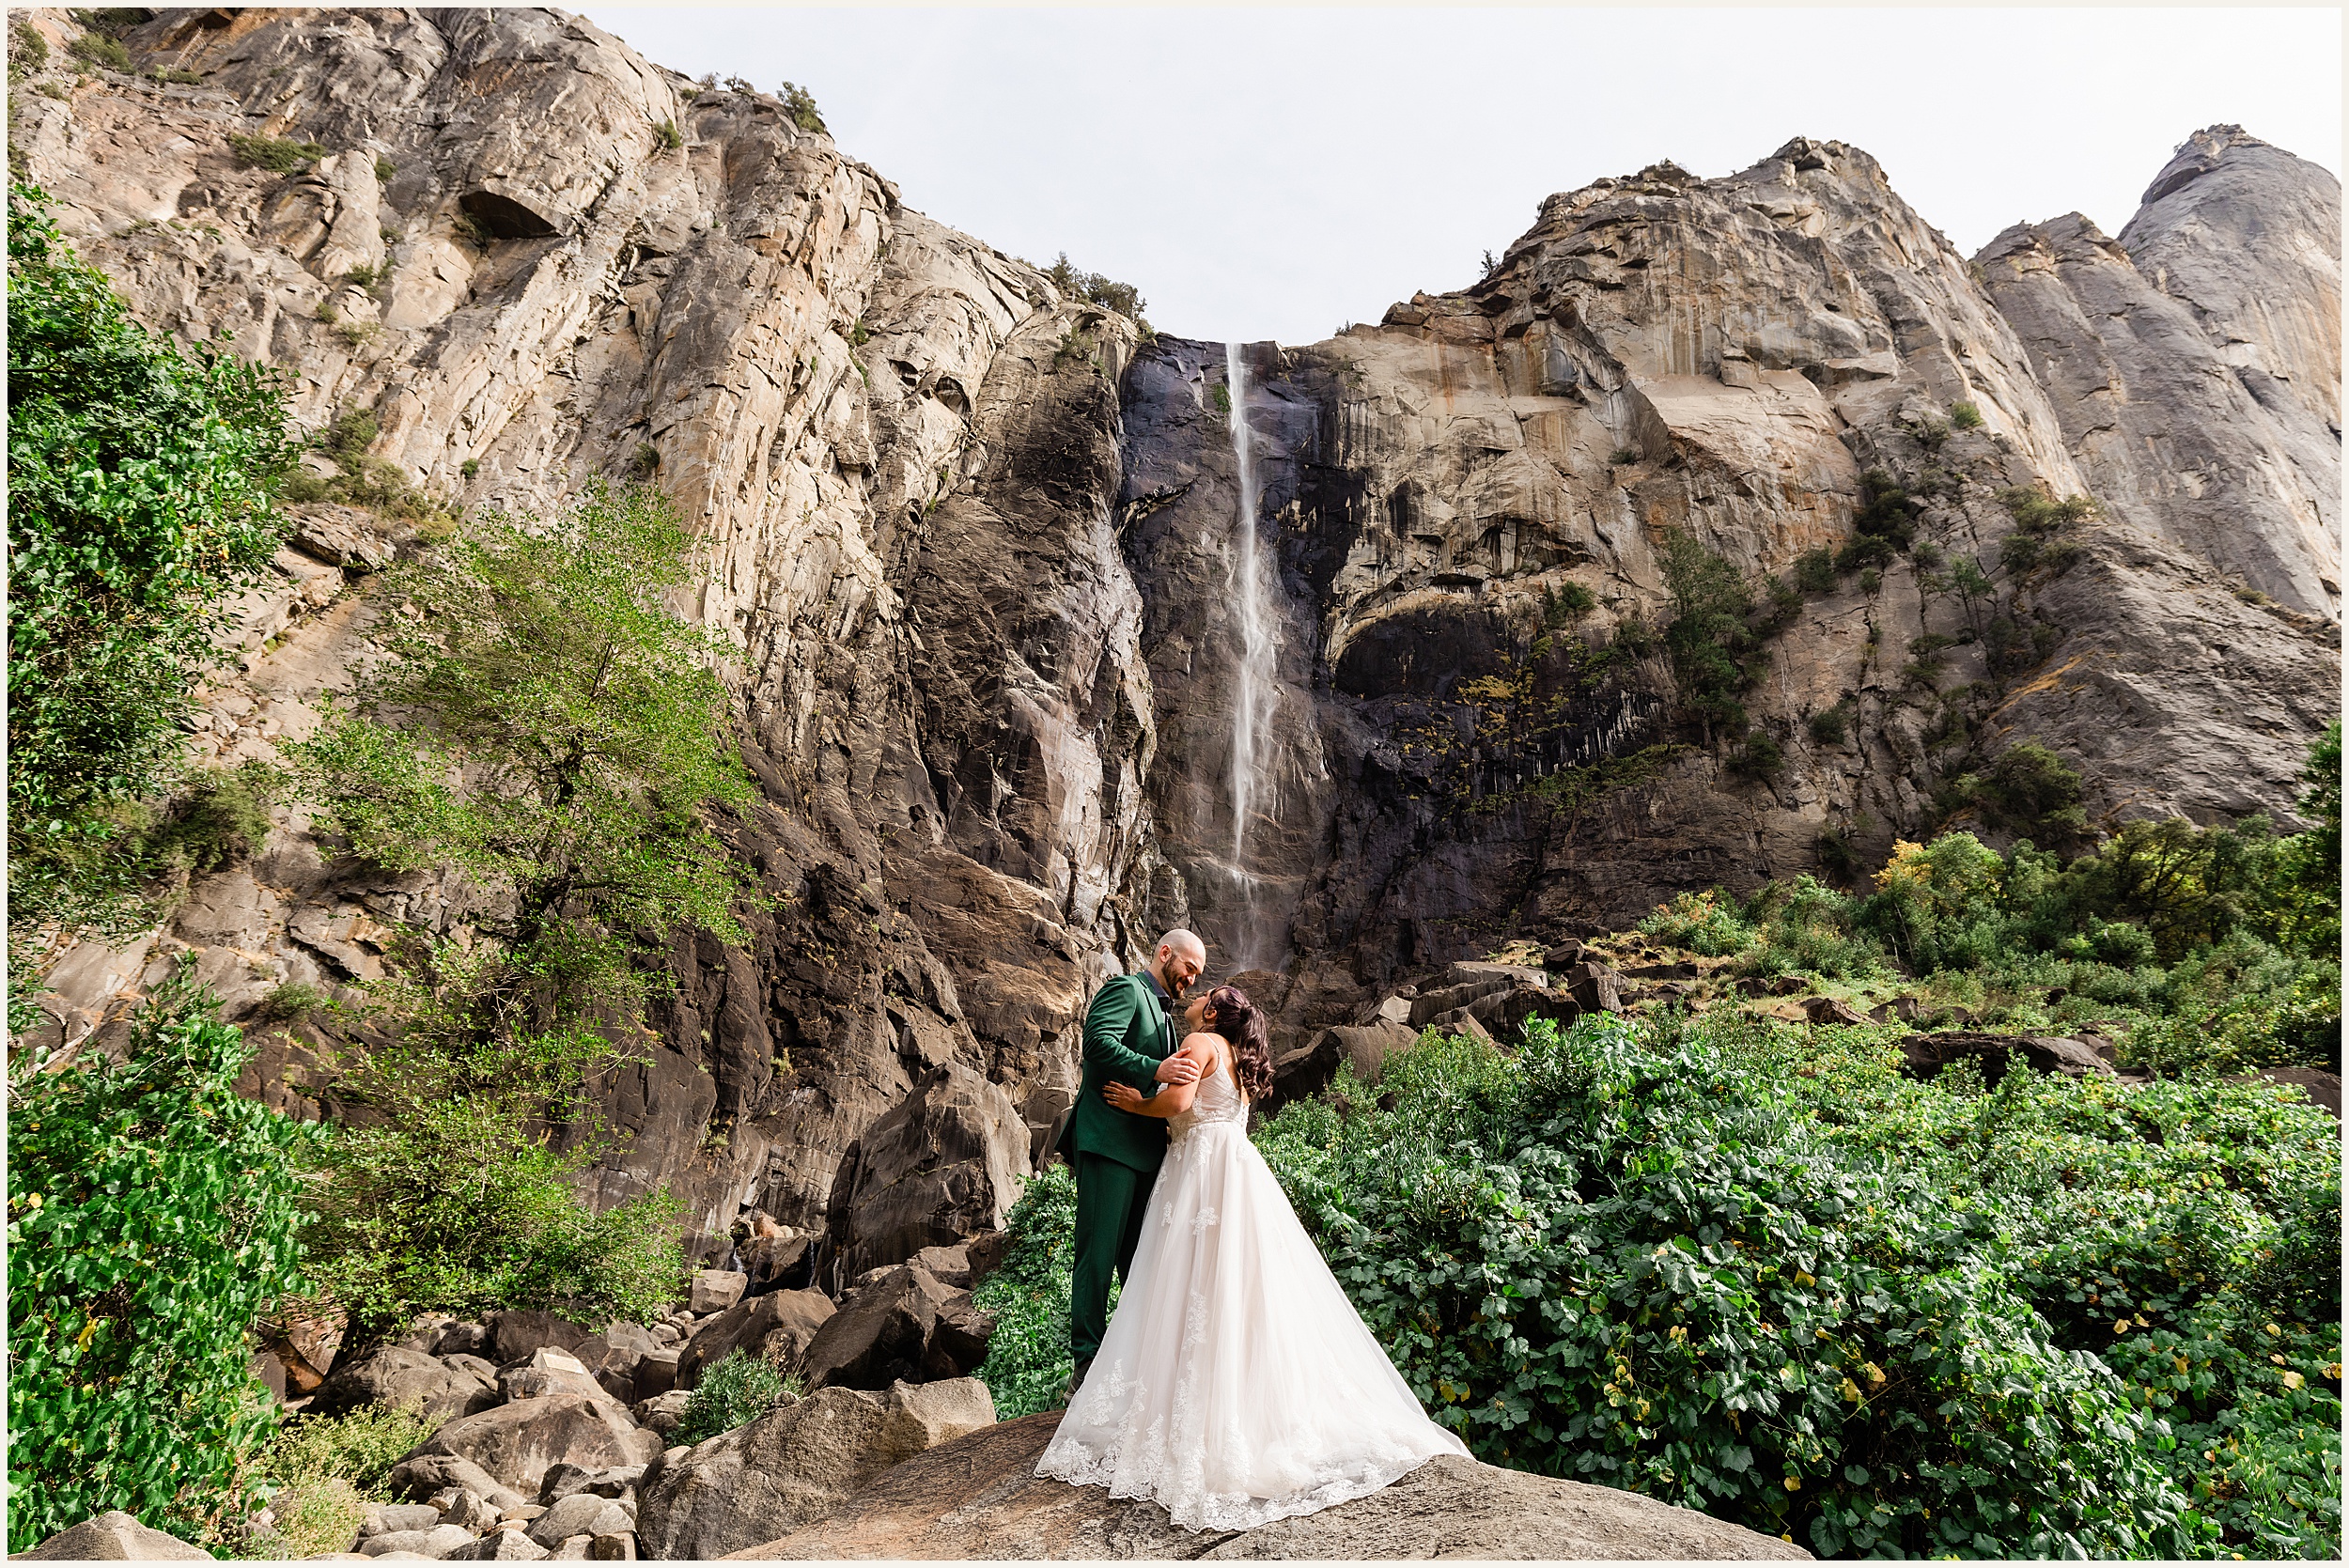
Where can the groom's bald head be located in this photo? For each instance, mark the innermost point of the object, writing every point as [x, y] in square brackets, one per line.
[1179, 958]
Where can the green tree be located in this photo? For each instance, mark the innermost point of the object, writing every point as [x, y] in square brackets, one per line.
[1714, 656]
[153, 1216]
[140, 482]
[545, 727]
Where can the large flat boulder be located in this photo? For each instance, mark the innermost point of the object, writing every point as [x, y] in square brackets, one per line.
[114, 1537]
[1925, 1056]
[795, 1464]
[516, 1442]
[907, 1324]
[775, 1327]
[942, 1164]
[399, 1377]
[979, 1497]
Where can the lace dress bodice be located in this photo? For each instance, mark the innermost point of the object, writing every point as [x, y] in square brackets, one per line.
[1219, 1100]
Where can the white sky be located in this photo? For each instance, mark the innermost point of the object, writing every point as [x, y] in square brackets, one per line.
[1276, 174]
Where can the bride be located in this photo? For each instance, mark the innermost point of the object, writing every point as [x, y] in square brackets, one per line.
[1235, 1384]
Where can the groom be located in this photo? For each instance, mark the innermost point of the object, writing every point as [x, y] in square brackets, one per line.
[1130, 1032]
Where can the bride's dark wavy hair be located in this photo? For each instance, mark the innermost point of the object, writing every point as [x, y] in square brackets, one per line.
[1242, 1022]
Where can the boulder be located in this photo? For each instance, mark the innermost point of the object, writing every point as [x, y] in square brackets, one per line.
[391, 1519]
[1510, 1011]
[662, 1412]
[1925, 1056]
[881, 1334]
[114, 1537]
[1829, 1010]
[1505, 976]
[516, 1442]
[943, 1162]
[307, 1343]
[979, 1496]
[1593, 986]
[400, 1378]
[777, 1328]
[461, 1338]
[613, 1548]
[549, 1374]
[716, 1289]
[582, 1513]
[439, 1541]
[654, 1374]
[513, 1335]
[501, 1545]
[422, 1475]
[959, 1340]
[778, 1262]
[794, 1464]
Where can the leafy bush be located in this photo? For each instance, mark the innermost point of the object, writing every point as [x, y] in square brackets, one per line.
[1028, 1362]
[1831, 726]
[97, 49]
[734, 1392]
[461, 1206]
[1755, 1270]
[2028, 790]
[317, 1475]
[1716, 657]
[1815, 570]
[28, 50]
[1704, 923]
[547, 726]
[1094, 289]
[151, 1218]
[139, 480]
[274, 153]
[799, 104]
[1965, 416]
[667, 134]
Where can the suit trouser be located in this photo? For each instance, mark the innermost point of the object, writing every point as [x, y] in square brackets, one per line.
[1111, 1200]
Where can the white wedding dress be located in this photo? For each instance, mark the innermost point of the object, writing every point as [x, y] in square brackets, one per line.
[1235, 1384]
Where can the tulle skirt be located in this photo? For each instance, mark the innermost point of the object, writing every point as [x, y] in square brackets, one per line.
[1237, 1385]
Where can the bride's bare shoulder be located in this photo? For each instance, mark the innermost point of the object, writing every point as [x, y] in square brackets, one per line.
[1206, 1044]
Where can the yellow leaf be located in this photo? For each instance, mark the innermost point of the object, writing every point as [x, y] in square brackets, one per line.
[1793, 1483]
[2120, 1324]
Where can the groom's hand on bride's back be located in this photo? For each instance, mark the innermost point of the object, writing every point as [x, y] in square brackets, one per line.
[1178, 1068]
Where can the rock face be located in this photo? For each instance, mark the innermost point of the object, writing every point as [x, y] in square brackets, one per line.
[973, 543]
[794, 1464]
[980, 1496]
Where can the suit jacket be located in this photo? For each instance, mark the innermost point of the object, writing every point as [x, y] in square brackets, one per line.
[1128, 1033]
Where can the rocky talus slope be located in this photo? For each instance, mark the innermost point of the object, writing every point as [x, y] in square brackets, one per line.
[973, 543]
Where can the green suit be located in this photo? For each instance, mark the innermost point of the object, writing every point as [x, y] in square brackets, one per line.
[1116, 1154]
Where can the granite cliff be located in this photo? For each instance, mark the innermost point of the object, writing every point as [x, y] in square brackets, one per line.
[973, 543]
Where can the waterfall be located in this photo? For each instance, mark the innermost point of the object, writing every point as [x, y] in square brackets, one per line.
[1254, 692]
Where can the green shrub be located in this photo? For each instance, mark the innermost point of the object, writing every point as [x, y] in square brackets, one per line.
[733, 1391]
[1704, 923]
[1965, 416]
[318, 1474]
[1655, 1259]
[1815, 570]
[799, 104]
[1028, 1362]
[1569, 602]
[1760, 757]
[28, 50]
[1716, 657]
[1092, 288]
[178, 77]
[1831, 726]
[152, 1218]
[1622, 456]
[97, 49]
[668, 135]
[274, 153]
[385, 169]
[139, 500]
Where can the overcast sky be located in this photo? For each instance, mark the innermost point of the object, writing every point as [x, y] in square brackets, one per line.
[1276, 174]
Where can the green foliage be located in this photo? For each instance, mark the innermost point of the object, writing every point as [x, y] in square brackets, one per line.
[1622, 456]
[2027, 790]
[274, 153]
[385, 169]
[1829, 726]
[139, 478]
[1883, 524]
[546, 726]
[734, 1392]
[1757, 1271]
[360, 480]
[1815, 570]
[460, 1205]
[1716, 657]
[1028, 1362]
[1704, 923]
[28, 50]
[178, 77]
[98, 49]
[1965, 416]
[318, 1474]
[1092, 288]
[2043, 527]
[668, 135]
[1760, 757]
[1568, 603]
[799, 104]
[152, 1218]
